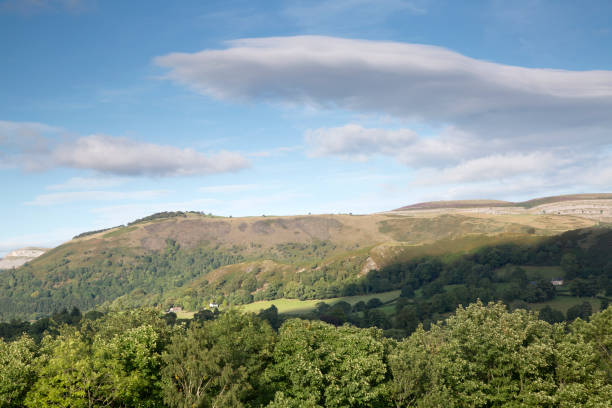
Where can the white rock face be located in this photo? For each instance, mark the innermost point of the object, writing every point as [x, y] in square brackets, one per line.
[600, 210]
[18, 257]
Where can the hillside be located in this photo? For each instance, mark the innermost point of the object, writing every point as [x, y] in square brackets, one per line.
[192, 258]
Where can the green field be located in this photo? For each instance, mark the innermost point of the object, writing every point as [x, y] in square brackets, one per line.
[563, 303]
[184, 315]
[296, 306]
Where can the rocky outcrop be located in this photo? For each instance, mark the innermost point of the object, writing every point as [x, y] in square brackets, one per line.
[595, 209]
[19, 257]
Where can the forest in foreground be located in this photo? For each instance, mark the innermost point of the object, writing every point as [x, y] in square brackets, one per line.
[481, 356]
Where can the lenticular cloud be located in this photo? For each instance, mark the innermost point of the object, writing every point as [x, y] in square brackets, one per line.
[409, 81]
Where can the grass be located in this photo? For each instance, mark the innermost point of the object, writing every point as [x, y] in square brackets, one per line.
[563, 303]
[184, 315]
[119, 231]
[296, 306]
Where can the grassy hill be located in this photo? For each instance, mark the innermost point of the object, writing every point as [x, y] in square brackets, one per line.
[192, 258]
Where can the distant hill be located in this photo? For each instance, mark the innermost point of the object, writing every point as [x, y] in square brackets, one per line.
[594, 206]
[429, 205]
[191, 258]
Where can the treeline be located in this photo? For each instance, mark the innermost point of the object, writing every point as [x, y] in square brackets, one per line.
[88, 233]
[165, 215]
[46, 325]
[482, 356]
[403, 316]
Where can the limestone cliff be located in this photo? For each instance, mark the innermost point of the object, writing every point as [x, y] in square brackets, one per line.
[18, 257]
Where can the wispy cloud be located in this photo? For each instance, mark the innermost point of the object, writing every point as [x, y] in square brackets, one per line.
[35, 146]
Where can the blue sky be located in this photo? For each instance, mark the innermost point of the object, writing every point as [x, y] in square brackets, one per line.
[112, 110]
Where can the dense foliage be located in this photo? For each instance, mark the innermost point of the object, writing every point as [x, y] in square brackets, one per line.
[149, 279]
[482, 356]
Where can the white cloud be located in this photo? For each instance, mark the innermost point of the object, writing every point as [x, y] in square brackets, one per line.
[35, 146]
[75, 196]
[123, 156]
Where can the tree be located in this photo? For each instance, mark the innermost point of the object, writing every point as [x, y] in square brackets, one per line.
[584, 365]
[114, 360]
[359, 306]
[582, 287]
[374, 303]
[551, 315]
[570, 265]
[271, 316]
[319, 365]
[204, 315]
[407, 292]
[583, 311]
[376, 318]
[483, 356]
[407, 319]
[67, 375]
[218, 363]
[17, 372]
